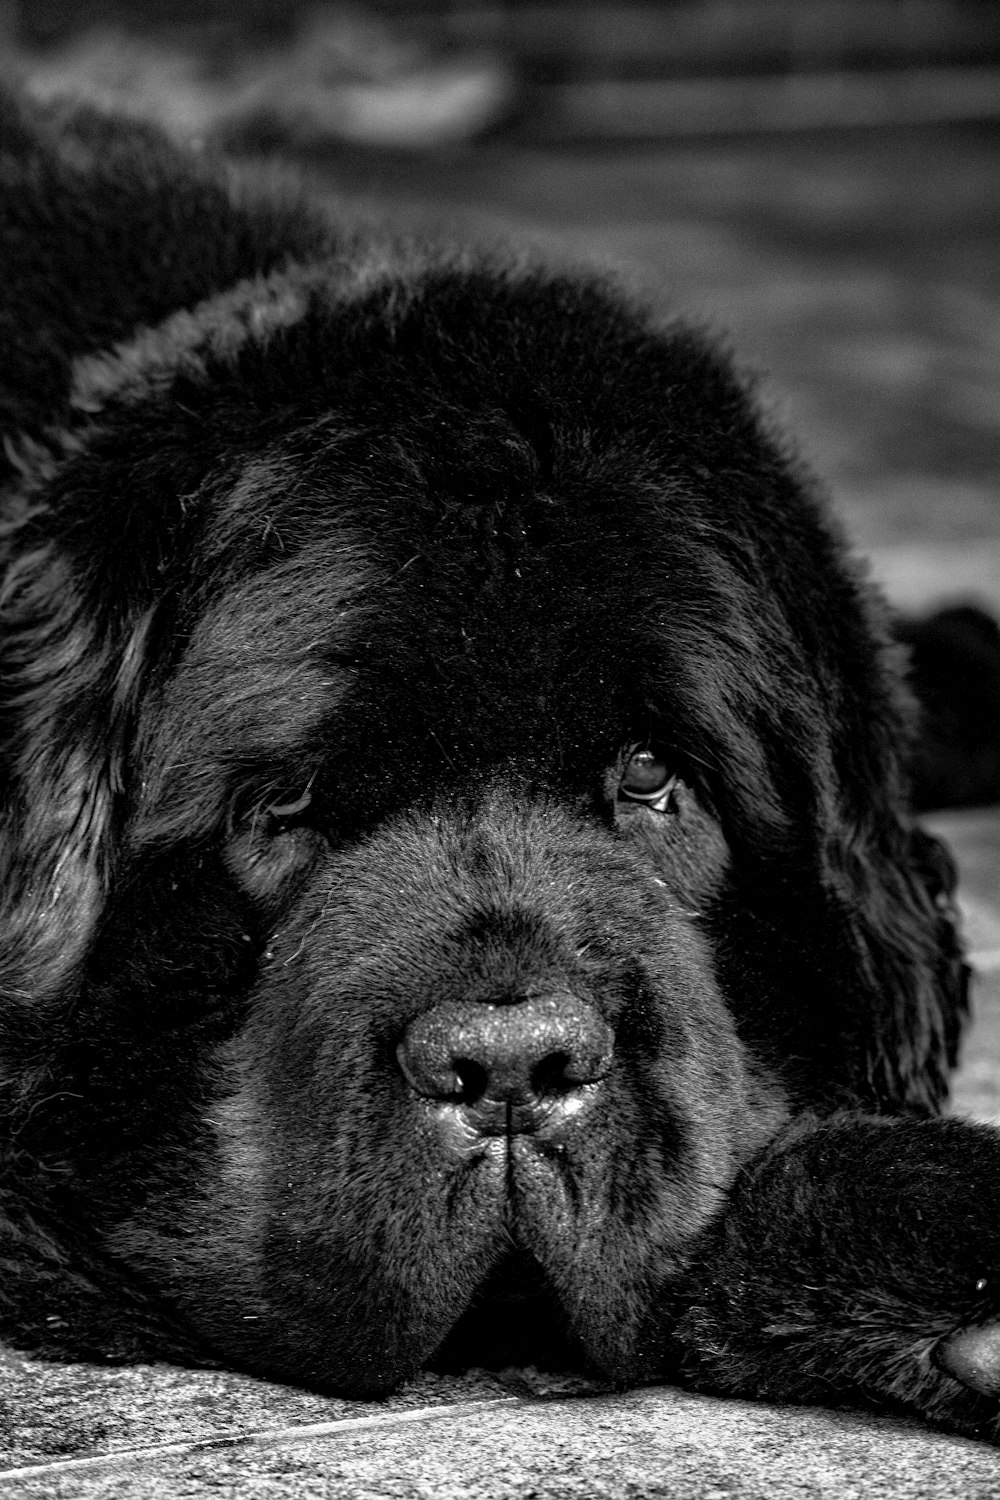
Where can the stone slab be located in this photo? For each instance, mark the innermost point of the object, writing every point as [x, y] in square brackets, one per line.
[645, 1443]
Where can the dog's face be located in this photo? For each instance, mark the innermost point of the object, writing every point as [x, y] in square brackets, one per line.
[460, 878]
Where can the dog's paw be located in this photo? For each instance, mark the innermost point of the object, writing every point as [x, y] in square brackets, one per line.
[859, 1259]
[972, 1356]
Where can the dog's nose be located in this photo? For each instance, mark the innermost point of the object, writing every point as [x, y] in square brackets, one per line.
[510, 1066]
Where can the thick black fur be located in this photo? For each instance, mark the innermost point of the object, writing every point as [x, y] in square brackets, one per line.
[352, 1008]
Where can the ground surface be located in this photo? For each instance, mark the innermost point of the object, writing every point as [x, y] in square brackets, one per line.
[861, 273]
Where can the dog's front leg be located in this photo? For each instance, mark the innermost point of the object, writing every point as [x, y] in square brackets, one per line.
[859, 1259]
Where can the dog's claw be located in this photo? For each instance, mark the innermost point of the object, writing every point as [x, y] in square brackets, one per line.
[972, 1355]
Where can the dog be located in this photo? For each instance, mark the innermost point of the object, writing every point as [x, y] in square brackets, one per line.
[462, 898]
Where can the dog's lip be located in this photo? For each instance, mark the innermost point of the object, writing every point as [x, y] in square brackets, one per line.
[470, 1129]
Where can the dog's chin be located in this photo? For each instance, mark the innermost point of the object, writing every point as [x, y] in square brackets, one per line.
[525, 1270]
[514, 1317]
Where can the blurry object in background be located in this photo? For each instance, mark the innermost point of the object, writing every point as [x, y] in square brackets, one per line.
[270, 76]
[126, 72]
[956, 676]
[418, 74]
[352, 76]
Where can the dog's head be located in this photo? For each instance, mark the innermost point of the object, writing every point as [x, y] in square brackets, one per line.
[454, 814]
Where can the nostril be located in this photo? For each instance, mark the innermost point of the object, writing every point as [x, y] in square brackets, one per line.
[553, 1075]
[473, 1080]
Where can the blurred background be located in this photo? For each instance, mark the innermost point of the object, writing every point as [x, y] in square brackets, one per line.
[820, 178]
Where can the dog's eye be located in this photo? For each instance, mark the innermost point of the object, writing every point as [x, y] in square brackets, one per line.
[646, 777]
[273, 842]
[282, 815]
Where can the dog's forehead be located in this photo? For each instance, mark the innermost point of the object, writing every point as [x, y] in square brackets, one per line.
[501, 575]
[417, 609]
[453, 586]
[386, 637]
[543, 567]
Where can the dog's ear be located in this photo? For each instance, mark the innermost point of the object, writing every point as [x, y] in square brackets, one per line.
[91, 536]
[874, 989]
[903, 927]
[859, 949]
[893, 923]
[98, 523]
[68, 682]
[890, 891]
[905, 921]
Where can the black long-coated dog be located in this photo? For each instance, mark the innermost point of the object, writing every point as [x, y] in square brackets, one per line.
[460, 892]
